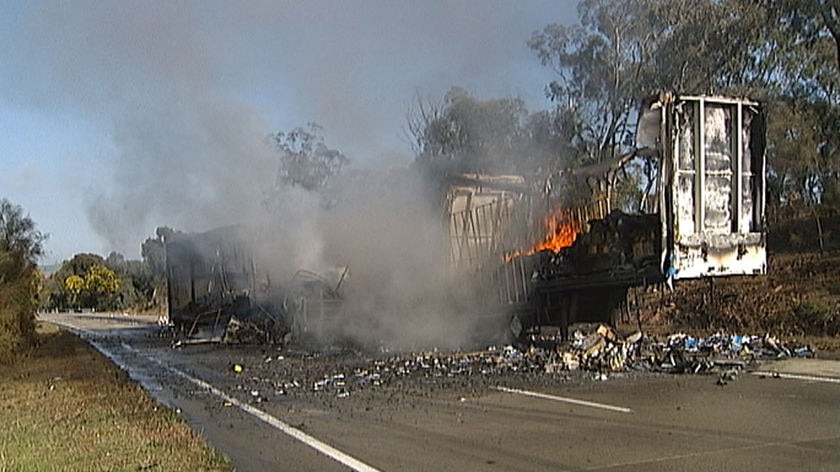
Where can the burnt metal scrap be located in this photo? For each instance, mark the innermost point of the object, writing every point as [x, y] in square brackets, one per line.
[677, 353]
[218, 293]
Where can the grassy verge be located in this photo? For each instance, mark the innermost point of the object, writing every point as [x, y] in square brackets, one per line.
[64, 407]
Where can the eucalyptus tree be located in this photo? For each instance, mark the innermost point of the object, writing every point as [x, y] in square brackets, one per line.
[467, 134]
[305, 160]
[21, 245]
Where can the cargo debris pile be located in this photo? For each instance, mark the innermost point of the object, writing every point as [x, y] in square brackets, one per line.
[601, 352]
[620, 241]
[678, 353]
[493, 361]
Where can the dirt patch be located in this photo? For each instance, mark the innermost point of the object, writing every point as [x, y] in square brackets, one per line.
[799, 296]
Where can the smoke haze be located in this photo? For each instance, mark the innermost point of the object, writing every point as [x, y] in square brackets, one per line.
[185, 93]
[385, 229]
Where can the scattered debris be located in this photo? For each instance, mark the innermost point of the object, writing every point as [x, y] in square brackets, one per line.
[727, 376]
[599, 354]
[678, 353]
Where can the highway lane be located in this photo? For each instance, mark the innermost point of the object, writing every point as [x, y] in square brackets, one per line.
[673, 422]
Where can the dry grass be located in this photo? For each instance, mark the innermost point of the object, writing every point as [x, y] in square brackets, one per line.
[65, 408]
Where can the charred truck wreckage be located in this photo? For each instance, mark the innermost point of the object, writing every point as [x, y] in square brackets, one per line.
[549, 264]
[216, 287]
[534, 259]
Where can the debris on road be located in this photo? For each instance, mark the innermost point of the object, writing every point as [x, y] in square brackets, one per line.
[600, 353]
[678, 353]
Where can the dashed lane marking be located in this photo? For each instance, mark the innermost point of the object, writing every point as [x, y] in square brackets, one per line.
[809, 378]
[574, 401]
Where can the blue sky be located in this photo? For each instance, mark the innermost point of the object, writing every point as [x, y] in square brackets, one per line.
[117, 117]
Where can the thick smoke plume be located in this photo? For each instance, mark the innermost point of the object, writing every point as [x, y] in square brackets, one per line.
[382, 230]
[185, 91]
[390, 230]
[184, 94]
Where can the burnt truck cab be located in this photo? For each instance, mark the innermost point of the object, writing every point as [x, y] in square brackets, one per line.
[704, 218]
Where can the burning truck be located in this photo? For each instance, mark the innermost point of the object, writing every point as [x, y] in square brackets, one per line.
[543, 262]
[529, 257]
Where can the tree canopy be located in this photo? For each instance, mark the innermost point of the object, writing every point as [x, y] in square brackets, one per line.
[20, 248]
[305, 159]
[18, 237]
[467, 134]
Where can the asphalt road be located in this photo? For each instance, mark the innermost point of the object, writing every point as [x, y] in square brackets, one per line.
[789, 420]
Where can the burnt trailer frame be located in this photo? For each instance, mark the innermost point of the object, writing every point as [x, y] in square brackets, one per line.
[710, 220]
[205, 271]
[215, 277]
[212, 278]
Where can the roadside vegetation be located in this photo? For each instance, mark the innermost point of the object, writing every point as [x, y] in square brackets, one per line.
[20, 248]
[62, 405]
[65, 407]
[92, 282]
[798, 298]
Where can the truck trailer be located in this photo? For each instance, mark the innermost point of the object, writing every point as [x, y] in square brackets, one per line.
[544, 262]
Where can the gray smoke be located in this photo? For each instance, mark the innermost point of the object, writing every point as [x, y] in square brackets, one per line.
[185, 92]
[386, 229]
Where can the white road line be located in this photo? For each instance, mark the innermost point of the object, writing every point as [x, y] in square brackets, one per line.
[310, 441]
[286, 428]
[573, 401]
[809, 378]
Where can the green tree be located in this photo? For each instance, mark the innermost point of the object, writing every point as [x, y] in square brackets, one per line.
[98, 287]
[20, 248]
[101, 280]
[102, 284]
[809, 35]
[18, 237]
[305, 160]
[116, 262]
[79, 264]
[148, 277]
[807, 142]
[466, 134]
[604, 68]
[58, 295]
[153, 255]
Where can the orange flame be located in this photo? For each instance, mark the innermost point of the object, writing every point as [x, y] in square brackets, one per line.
[560, 233]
